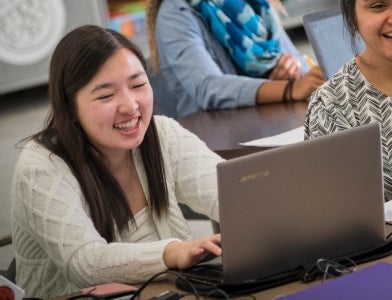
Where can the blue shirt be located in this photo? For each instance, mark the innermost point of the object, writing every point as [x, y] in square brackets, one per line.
[196, 71]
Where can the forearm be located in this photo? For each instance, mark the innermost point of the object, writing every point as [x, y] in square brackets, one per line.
[96, 263]
[284, 90]
[228, 91]
[271, 92]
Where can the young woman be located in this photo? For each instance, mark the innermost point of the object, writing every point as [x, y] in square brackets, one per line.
[95, 194]
[205, 62]
[361, 91]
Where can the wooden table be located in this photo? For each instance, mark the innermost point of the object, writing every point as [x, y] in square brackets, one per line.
[268, 294]
[162, 286]
[223, 130]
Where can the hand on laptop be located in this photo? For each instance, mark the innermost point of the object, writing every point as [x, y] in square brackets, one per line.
[185, 254]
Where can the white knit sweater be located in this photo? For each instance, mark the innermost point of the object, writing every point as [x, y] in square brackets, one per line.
[57, 247]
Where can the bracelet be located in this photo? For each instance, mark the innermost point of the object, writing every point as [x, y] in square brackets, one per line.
[288, 91]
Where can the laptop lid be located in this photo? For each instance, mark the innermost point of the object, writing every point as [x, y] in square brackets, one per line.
[287, 207]
[330, 40]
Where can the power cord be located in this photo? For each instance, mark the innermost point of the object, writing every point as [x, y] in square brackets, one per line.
[166, 295]
[328, 267]
[388, 223]
[87, 295]
[215, 292]
[336, 267]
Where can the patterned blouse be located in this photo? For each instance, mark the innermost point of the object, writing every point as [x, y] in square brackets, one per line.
[348, 100]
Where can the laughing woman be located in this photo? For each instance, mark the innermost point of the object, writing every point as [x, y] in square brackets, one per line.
[361, 92]
[95, 195]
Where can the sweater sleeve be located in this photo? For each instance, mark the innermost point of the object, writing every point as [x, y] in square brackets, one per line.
[50, 215]
[319, 118]
[330, 108]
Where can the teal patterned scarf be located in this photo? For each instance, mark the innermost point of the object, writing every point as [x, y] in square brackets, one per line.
[249, 30]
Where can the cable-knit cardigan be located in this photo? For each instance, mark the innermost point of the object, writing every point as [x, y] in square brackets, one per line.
[57, 248]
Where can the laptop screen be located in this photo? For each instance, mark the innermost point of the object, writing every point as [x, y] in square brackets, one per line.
[330, 39]
[289, 206]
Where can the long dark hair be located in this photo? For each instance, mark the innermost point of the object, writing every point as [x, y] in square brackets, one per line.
[350, 19]
[76, 60]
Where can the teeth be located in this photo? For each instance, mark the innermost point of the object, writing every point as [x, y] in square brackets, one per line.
[127, 125]
[388, 34]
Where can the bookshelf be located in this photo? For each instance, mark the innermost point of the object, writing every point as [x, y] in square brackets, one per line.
[129, 18]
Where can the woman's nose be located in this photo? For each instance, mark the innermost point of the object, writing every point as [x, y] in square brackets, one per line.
[127, 103]
[390, 15]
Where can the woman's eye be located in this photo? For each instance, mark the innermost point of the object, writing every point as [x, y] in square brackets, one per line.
[378, 6]
[140, 85]
[104, 97]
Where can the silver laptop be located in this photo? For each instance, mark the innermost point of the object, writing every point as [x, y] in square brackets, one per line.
[287, 207]
[330, 40]
[290, 206]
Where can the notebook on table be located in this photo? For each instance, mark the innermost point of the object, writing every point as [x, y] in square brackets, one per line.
[330, 40]
[373, 282]
[285, 208]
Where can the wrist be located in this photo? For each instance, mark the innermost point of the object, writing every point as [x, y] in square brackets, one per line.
[288, 91]
[170, 253]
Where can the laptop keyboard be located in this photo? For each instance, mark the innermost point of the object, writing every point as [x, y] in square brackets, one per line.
[209, 272]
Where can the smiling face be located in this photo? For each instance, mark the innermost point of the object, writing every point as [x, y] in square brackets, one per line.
[115, 107]
[374, 19]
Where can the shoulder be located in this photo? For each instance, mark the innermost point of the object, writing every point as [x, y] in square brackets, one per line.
[35, 160]
[339, 87]
[173, 13]
[174, 8]
[334, 105]
[35, 153]
[167, 126]
[348, 74]
[174, 138]
[174, 5]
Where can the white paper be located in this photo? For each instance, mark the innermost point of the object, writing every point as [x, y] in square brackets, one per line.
[282, 139]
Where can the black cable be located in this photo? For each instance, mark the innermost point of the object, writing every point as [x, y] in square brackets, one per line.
[80, 296]
[185, 294]
[388, 223]
[144, 285]
[214, 292]
[217, 291]
[242, 296]
[336, 267]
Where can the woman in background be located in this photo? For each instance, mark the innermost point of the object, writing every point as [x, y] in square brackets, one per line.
[361, 92]
[208, 57]
[95, 194]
